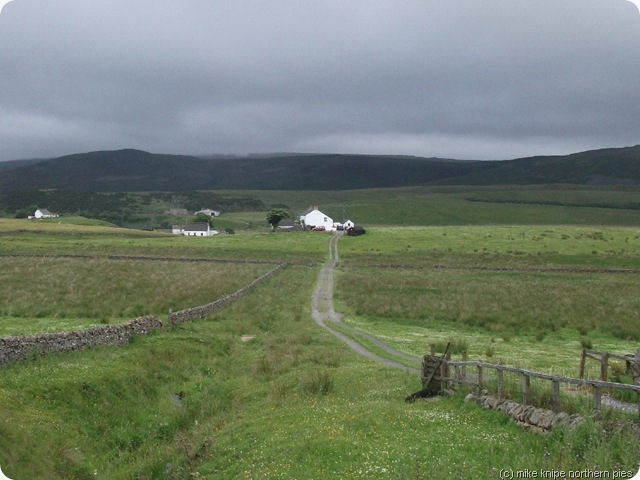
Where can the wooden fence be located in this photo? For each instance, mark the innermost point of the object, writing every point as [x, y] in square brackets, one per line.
[603, 359]
[473, 373]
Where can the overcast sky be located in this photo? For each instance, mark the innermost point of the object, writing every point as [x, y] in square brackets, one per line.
[469, 79]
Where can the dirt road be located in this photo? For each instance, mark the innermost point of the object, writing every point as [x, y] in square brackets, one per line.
[325, 316]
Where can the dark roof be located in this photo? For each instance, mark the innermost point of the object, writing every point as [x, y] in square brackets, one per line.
[309, 210]
[197, 227]
[287, 222]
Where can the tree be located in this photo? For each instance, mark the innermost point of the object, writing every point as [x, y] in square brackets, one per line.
[204, 218]
[275, 215]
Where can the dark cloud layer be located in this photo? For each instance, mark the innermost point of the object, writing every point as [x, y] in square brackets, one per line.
[455, 78]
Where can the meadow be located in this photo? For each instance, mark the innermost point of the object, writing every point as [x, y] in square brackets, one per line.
[461, 205]
[258, 391]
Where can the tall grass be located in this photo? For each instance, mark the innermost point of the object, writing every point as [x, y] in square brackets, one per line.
[495, 246]
[498, 302]
[112, 289]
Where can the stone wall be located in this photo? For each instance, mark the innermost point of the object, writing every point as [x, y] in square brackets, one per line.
[13, 349]
[538, 420]
[194, 313]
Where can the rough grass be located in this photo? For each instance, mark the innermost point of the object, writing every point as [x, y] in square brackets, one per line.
[497, 246]
[104, 290]
[258, 391]
[498, 302]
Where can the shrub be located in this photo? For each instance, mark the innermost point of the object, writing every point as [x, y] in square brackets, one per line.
[316, 383]
[457, 346]
[586, 343]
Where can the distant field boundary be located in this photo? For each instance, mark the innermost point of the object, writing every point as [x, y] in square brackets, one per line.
[482, 268]
[196, 313]
[154, 259]
[15, 349]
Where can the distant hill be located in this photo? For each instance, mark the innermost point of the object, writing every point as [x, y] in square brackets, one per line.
[135, 170]
[612, 166]
[13, 164]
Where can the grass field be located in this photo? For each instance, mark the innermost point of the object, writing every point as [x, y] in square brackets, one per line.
[24, 237]
[74, 290]
[202, 401]
[446, 206]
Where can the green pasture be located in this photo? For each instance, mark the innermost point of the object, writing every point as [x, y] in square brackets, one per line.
[406, 206]
[26, 237]
[259, 391]
[504, 246]
[465, 205]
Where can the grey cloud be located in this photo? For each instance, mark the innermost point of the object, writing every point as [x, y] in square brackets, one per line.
[461, 78]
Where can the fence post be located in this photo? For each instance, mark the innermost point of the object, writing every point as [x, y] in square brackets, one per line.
[465, 358]
[433, 349]
[526, 389]
[597, 400]
[557, 407]
[635, 373]
[583, 358]
[500, 383]
[635, 369]
[479, 379]
[604, 366]
[446, 370]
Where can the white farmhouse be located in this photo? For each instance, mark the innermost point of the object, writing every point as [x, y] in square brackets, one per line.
[315, 218]
[197, 229]
[44, 213]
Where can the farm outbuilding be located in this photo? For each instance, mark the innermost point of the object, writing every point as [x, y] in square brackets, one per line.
[209, 212]
[345, 225]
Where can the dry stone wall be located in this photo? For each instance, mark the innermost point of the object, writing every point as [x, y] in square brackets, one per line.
[13, 349]
[538, 420]
[194, 313]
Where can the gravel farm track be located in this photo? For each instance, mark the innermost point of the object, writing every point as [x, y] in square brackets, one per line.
[326, 317]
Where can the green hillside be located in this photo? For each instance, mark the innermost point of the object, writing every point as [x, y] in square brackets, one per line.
[611, 166]
[134, 170]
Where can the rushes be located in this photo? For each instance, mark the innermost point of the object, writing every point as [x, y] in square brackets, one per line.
[510, 302]
[102, 289]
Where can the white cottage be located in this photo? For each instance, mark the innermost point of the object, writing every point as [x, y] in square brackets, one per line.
[197, 229]
[44, 213]
[315, 218]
